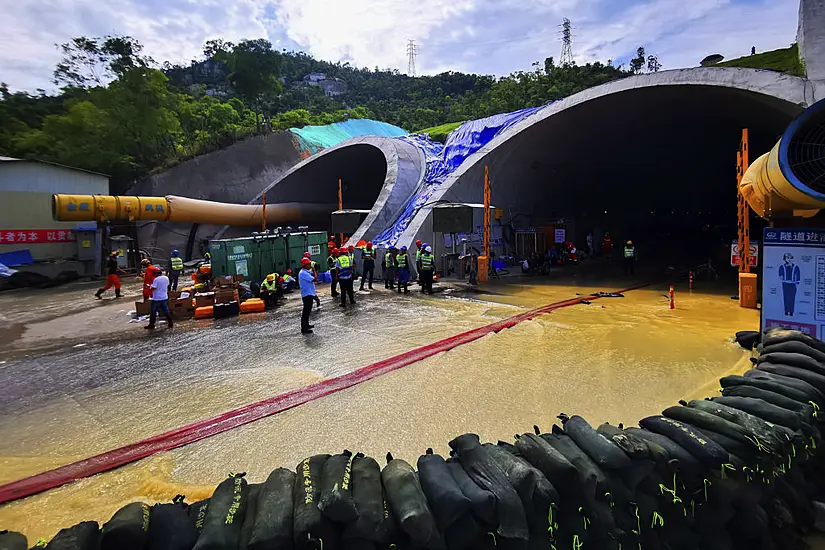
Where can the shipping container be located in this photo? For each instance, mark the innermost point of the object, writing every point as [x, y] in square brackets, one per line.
[257, 256]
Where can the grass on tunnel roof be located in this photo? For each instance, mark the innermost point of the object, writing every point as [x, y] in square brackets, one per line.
[784, 60]
[440, 133]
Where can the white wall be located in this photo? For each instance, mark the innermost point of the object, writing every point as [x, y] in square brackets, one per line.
[47, 178]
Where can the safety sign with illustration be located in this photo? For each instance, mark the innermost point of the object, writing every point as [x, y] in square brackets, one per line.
[793, 280]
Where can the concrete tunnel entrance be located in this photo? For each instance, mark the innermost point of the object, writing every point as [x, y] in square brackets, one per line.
[655, 165]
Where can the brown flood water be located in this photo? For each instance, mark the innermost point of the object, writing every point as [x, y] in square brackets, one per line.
[618, 359]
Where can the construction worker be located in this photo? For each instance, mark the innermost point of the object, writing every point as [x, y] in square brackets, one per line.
[176, 264]
[307, 280]
[208, 257]
[269, 290]
[160, 298]
[607, 244]
[402, 262]
[351, 252]
[418, 248]
[389, 267]
[333, 270]
[427, 270]
[148, 277]
[314, 266]
[112, 280]
[345, 275]
[289, 281]
[629, 258]
[368, 259]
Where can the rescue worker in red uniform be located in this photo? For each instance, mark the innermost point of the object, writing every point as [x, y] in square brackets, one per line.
[607, 244]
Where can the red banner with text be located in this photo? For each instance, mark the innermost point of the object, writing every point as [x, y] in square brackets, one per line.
[35, 236]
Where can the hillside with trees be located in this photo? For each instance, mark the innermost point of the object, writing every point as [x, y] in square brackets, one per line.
[119, 112]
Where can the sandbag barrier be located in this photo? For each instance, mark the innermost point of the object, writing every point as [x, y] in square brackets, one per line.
[738, 471]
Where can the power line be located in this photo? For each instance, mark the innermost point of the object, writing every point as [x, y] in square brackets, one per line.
[412, 52]
[567, 43]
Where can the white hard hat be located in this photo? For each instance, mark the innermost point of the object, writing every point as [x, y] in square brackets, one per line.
[429, 249]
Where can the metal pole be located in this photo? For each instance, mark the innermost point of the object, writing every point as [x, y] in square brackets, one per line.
[745, 252]
[263, 212]
[340, 207]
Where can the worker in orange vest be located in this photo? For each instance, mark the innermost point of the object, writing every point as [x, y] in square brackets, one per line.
[148, 278]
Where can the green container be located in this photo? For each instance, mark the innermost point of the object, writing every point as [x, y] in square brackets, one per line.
[257, 256]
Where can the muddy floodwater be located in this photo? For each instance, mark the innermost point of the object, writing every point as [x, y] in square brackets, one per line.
[616, 359]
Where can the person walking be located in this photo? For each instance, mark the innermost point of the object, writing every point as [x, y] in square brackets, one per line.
[160, 299]
[112, 280]
[402, 260]
[427, 271]
[345, 274]
[390, 269]
[176, 265]
[306, 281]
[333, 270]
[368, 259]
[629, 258]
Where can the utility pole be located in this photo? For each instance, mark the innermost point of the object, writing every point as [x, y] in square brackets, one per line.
[412, 52]
[340, 207]
[567, 43]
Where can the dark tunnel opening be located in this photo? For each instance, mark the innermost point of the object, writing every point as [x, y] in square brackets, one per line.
[361, 168]
[656, 165]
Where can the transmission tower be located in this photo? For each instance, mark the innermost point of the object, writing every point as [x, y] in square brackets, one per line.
[412, 52]
[567, 43]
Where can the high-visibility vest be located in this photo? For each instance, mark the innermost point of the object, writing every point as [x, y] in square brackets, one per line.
[207, 256]
[388, 259]
[331, 262]
[418, 256]
[177, 263]
[427, 262]
[269, 286]
[630, 252]
[289, 278]
[344, 267]
[369, 254]
[401, 260]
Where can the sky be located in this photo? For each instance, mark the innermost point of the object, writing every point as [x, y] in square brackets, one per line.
[479, 36]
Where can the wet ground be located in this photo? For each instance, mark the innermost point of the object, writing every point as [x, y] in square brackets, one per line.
[618, 359]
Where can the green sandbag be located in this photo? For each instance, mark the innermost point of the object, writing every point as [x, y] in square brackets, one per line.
[550, 462]
[249, 516]
[446, 500]
[408, 503]
[482, 501]
[274, 513]
[83, 536]
[197, 513]
[601, 450]
[128, 529]
[9, 540]
[777, 399]
[170, 527]
[336, 501]
[311, 530]
[225, 514]
[368, 495]
[706, 451]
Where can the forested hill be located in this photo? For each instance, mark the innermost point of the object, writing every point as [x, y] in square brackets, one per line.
[121, 113]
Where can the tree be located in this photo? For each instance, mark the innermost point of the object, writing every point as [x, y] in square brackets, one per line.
[255, 69]
[637, 64]
[88, 62]
[653, 65]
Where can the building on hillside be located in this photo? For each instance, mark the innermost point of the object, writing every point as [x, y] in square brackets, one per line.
[30, 239]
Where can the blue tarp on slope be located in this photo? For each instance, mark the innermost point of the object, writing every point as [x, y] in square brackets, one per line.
[443, 160]
[312, 139]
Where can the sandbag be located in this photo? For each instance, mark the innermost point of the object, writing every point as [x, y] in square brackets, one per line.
[482, 501]
[525, 478]
[310, 528]
[128, 529]
[779, 335]
[336, 489]
[83, 536]
[464, 533]
[771, 397]
[685, 463]
[170, 527]
[748, 338]
[771, 436]
[367, 493]
[764, 410]
[795, 347]
[706, 451]
[225, 515]
[793, 360]
[9, 540]
[707, 421]
[789, 387]
[249, 517]
[547, 459]
[446, 500]
[197, 513]
[408, 503]
[601, 450]
[272, 519]
[485, 472]
[590, 477]
[633, 447]
[814, 379]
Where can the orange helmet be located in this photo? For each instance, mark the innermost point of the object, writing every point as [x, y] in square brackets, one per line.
[305, 261]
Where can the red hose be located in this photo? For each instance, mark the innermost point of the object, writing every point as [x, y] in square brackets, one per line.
[255, 411]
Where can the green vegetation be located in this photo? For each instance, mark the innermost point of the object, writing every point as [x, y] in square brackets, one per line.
[440, 133]
[118, 113]
[785, 60]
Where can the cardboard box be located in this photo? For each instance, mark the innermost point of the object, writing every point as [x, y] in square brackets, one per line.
[226, 295]
[203, 299]
[143, 308]
[182, 310]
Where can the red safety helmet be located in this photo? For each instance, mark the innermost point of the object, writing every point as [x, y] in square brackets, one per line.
[350, 248]
[418, 243]
[335, 252]
[307, 255]
[305, 261]
[289, 272]
[369, 244]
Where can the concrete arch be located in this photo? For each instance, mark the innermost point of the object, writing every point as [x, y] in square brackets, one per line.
[782, 93]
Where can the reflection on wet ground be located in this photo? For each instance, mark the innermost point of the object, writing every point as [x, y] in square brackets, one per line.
[617, 359]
